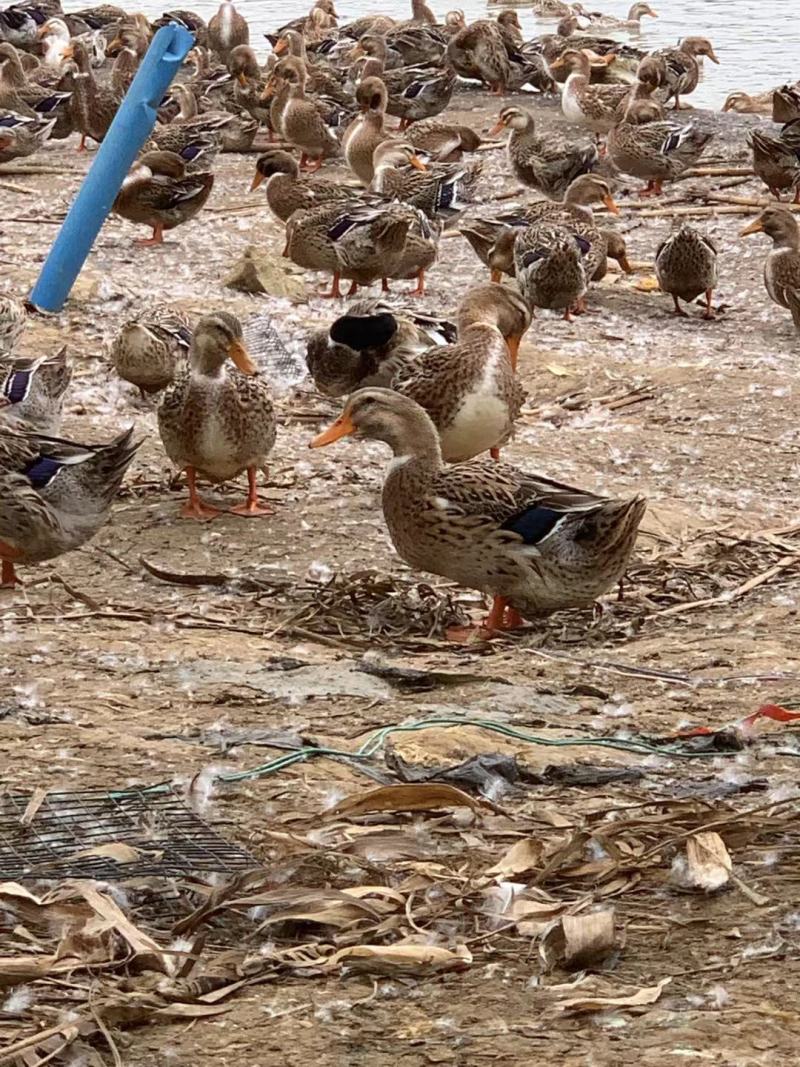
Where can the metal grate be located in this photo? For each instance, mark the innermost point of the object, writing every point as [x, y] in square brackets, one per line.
[171, 840]
[283, 367]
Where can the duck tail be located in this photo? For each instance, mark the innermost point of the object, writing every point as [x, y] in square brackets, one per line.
[613, 526]
[107, 467]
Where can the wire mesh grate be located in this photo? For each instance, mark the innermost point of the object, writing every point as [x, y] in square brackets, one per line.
[281, 366]
[62, 838]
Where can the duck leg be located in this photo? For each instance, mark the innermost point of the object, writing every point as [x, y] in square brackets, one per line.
[82, 146]
[385, 285]
[8, 576]
[495, 454]
[419, 288]
[513, 349]
[709, 313]
[195, 508]
[312, 165]
[653, 188]
[498, 89]
[353, 288]
[156, 239]
[252, 507]
[335, 293]
[678, 309]
[567, 315]
[501, 617]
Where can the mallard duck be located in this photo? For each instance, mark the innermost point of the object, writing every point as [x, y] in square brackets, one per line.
[189, 20]
[686, 266]
[250, 83]
[420, 248]
[301, 123]
[125, 66]
[93, 106]
[18, 27]
[425, 94]
[776, 160]
[442, 190]
[32, 391]
[654, 151]
[417, 44]
[189, 124]
[782, 267]
[594, 106]
[479, 52]
[287, 191]
[368, 344]
[320, 78]
[550, 267]
[469, 388]
[22, 96]
[150, 349]
[536, 546]
[442, 141]
[632, 21]
[226, 30]
[545, 163]
[683, 70]
[616, 249]
[352, 240]
[745, 104]
[157, 193]
[493, 242]
[786, 103]
[218, 422]
[21, 136]
[13, 317]
[366, 132]
[54, 495]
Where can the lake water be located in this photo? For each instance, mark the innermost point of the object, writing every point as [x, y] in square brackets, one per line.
[758, 44]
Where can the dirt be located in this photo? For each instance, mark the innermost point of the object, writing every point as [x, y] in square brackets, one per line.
[112, 676]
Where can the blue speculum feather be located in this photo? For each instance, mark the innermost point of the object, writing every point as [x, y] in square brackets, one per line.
[42, 471]
[534, 524]
[16, 386]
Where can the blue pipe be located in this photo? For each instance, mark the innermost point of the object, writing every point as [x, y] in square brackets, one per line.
[131, 127]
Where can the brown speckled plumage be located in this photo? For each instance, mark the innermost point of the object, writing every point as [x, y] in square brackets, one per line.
[686, 266]
[782, 265]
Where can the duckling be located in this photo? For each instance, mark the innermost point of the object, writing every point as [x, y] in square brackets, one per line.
[226, 30]
[150, 349]
[782, 267]
[215, 422]
[368, 344]
[545, 163]
[157, 193]
[32, 391]
[686, 266]
[287, 191]
[54, 495]
[548, 260]
[535, 545]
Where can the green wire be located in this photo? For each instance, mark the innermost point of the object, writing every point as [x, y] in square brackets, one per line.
[375, 742]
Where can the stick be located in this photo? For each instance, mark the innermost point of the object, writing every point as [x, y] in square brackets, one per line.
[747, 201]
[17, 188]
[734, 594]
[34, 168]
[703, 212]
[718, 172]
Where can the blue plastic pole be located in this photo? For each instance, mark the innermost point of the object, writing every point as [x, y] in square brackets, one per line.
[131, 127]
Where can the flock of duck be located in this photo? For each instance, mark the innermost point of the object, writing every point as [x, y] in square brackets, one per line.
[440, 394]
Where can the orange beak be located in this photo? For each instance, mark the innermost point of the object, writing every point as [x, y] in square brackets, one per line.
[343, 427]
[497, 128]
[269, 90]
[611, 204]
[497, 276]
[754, 227]
[258, 178]
[242, 80]
[416, 163]
[114, 45]
[68, 52]
[241, 358]
[280, 46]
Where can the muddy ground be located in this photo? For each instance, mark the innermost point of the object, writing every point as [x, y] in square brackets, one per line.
[113, 677]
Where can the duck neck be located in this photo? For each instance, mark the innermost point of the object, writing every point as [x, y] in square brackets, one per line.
[188, 106]
[13, 74]
[788, 239]
[576, 83]
[373, 67]
[415, 454]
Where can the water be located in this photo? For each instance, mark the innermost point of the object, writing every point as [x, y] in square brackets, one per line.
[758, 44]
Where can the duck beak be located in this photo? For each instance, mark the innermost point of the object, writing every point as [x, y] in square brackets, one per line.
[713, 56]
[258, 178]
[416, 163]
[755, 227]
[280, 46]
[343, 427]
[356, 52]
[269, 90]
[68, 52]
[498, 127]
[652, 14]
[115, 44]
[611, 204]
[496, 276]
[241, 358]
[242, 80]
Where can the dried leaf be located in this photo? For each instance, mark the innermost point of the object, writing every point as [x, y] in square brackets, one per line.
[524, 855]
[645, 995]
[588, 937]
[708, 863]
[190, 1011]
[559, 371]
[648, 284]
[423, 796]
[401, 959]
[33, 805]
[117, 851]
[142, 945]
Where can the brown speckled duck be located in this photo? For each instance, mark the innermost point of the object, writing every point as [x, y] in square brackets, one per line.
[441, 190]
[546, 163]
[782, 267]
[157, 193]
[682, 68]
[550, 267]
[226, 30]
[776, 160]
[32, 390]
[301, 122]
[654, 151]
[217, 422]
[686, 266]
[584, 103]
[151, 348]
[366, 131]
[536, 546]
[288, 191]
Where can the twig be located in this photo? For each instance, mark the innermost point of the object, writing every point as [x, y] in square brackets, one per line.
[719, 172]
[17, 188]
[733, 594]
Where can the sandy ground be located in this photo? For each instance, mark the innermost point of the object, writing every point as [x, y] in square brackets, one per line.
[112, 676]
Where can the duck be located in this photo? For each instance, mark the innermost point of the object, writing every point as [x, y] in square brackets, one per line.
[632, 21]
[322, 78]
[366, 132]
[616, 249]
[369, 343]
[782, 266]
[442, 141]
[13, 317]
[21, 136]
[746, 104]
[93, 106]
[585, 104]
[686, 266]
[54, 495]
[22, 96]
[189, 124]
[654, 151]
[479, 52]
[776, 160]
[534, 545]
[354, 240]
[250, 83]
[417, 93]
[288, 191]
[549, 163]
[469, 387]
[683, 70]
[550, 268]
[227, 29]
[493, 243]
[217, 422]
[443, 190]
[32, 391]
[420, 248]
[151, 348]
[126, 64]
[157, 193]
[301, 123]
[786, 103]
